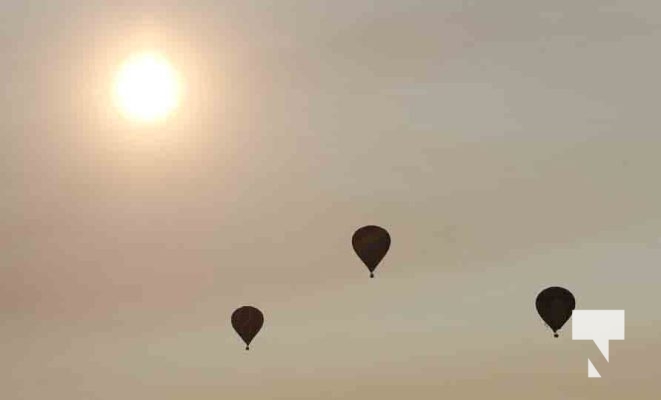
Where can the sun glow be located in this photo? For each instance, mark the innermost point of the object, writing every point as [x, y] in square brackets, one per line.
[147, 88]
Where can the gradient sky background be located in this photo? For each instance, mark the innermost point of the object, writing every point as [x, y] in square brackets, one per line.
[506, 145]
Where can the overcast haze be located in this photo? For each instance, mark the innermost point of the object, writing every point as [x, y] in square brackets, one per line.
[506, 146]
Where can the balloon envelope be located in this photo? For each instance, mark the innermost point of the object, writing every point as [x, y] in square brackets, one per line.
[247, 321]
[371, 243]
[555, 305]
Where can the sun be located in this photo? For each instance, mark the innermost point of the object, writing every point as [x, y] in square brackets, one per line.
[147, 88]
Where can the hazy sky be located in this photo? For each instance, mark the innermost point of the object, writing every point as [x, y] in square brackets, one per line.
[506, 145]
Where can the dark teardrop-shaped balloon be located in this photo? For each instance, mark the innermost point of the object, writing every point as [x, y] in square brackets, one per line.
[555, 305]
[371, 243]
[247, 321]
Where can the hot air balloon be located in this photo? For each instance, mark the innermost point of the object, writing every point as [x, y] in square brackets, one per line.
[371, 243]
[247, 321]
[555, 305]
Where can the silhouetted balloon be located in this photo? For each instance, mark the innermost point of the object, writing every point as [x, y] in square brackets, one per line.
[247, 321]
[371, 243]
[555, 305]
